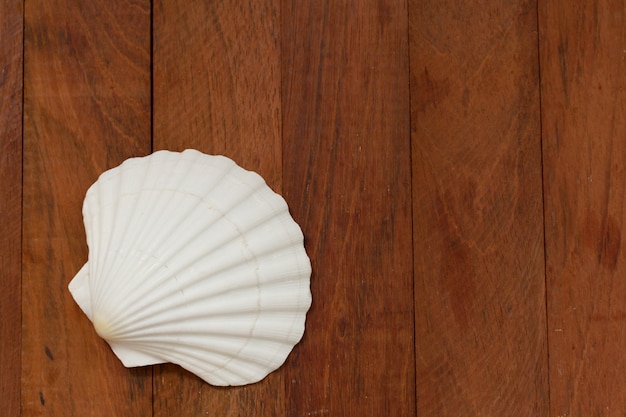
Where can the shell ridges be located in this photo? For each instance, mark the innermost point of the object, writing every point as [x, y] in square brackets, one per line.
[195, 261]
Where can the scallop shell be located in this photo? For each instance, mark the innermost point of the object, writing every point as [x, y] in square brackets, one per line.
[193, 260]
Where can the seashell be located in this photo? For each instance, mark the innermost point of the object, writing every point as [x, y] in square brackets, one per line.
[193, 260]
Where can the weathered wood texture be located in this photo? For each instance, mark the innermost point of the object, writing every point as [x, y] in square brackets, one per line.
[86, 109]
[583, 71]
[481, 344]
[346, 174]
[409, 141]
[11, 55]
[217, 89]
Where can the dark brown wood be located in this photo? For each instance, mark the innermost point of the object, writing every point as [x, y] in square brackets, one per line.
[346, 175]
[217, 89]
[409, 142]
[583, 72]
[86, 109]
[11, 55]
[477, 209]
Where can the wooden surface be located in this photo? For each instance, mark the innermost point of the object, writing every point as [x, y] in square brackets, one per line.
[584, 142]
[86, 108]
[477, 210]
[11, 55]
[217, 89]
[346, 162]
[457, 169]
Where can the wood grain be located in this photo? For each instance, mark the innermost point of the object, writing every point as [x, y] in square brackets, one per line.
[86, 109]
[217, 89]
[477, 209]
[583, 72]
[11, 56]
[346, 174]
[409, 142]
[217, 81]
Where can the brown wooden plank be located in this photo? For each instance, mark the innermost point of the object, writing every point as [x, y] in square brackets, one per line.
[86, 109]
[478, 228]
[583, 73]
[11, 36]
[217, 89]
[346, 174]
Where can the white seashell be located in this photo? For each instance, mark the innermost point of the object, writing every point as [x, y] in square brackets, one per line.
[195, 261]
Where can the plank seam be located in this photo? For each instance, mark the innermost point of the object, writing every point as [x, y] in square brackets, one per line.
[21, 242]
[410, 110]
[152, 373]
[151, 76]
[543, 202]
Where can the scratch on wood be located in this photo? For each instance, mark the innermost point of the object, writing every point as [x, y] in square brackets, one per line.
[610, 246]
[317, 412]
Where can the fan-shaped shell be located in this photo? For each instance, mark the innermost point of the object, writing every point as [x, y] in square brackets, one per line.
[195, 261]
